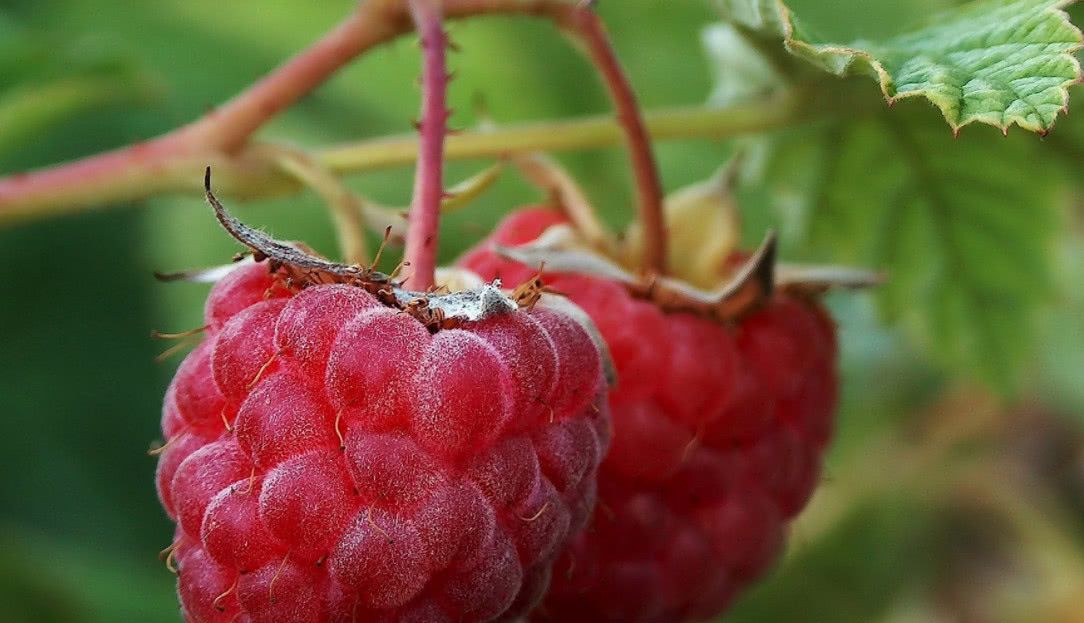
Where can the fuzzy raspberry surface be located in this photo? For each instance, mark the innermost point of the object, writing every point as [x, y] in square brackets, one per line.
[719, 432]
[331, 460]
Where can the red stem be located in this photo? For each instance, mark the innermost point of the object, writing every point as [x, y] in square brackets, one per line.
[225, 129]
[424, 227]
[164, 164]
[586, 23]
[228, 127]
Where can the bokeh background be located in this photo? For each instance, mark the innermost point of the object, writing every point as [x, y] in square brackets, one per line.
[944, 499]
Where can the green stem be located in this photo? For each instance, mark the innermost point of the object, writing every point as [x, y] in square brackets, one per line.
[253, 172]
[567, 135]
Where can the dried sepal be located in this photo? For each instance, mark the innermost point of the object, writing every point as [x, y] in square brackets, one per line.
[750, 287]
[703, 223]
[205, 275]
[813, 280]
[562, 250]
[752, 284]
[301, 268]
[286, 254]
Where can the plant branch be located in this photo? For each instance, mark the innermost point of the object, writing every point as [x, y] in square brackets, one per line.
[247, 175]
[586, 24]
[593, 132]
[423, 229]
[169, 161]
[174, 162]
[230, 126]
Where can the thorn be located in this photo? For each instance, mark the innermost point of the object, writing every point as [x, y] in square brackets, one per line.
[417, 124]
[956, 132]
[451, 45]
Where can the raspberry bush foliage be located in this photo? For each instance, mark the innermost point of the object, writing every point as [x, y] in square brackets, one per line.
[764, 310]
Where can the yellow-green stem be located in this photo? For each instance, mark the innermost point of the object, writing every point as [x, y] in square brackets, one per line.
[566, 135]
[253, 173]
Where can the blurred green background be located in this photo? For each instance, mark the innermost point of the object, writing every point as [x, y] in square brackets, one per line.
[943, 500]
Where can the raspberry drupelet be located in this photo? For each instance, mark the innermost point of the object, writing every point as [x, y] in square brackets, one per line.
[331, 458]
[719, 433]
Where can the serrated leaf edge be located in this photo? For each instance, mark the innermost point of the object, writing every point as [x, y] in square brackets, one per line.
[885, 81]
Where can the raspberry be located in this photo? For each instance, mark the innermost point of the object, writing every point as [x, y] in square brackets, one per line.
[334, 459]
[719, 432]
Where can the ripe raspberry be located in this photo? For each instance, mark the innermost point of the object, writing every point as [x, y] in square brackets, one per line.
[719, 432]
[331, 459]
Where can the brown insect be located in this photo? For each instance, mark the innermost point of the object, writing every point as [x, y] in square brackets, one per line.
[528, 293]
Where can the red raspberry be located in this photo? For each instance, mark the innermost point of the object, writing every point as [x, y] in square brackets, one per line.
[719, 432]
[330, 459]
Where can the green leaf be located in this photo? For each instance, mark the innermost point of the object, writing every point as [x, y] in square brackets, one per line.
[998, 62]
[963, 227]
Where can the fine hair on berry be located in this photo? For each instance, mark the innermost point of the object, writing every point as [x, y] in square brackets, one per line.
[331, 458]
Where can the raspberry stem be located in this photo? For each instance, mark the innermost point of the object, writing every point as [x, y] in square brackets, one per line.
[423, 230]
[229, 127]
[173, 162]
[585, 23]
